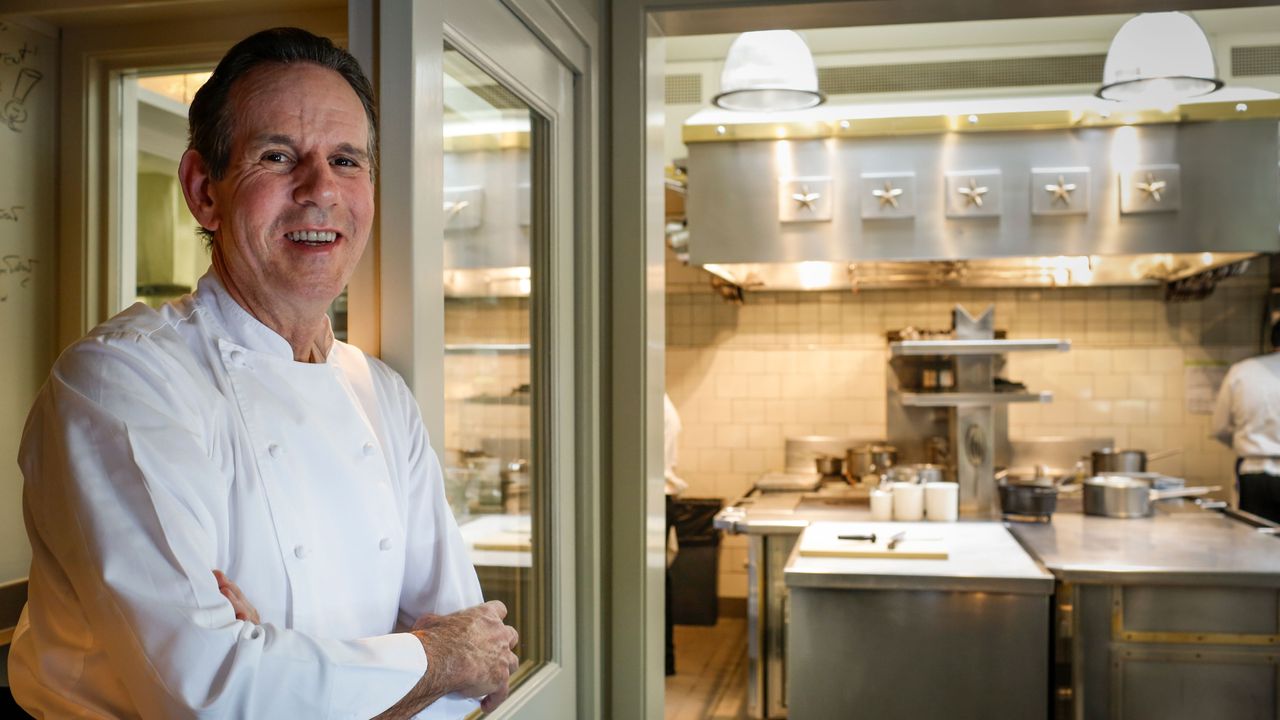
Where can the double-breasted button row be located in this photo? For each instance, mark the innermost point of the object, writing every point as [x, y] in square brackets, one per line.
[302, 551]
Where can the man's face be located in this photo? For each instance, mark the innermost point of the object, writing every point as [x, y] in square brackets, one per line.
[293, 211]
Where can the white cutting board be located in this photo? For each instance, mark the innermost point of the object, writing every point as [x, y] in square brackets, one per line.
[905, 550]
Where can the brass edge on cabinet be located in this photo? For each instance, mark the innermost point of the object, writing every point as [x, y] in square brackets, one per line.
[492, 141]
[1118, 633]
[984, 122]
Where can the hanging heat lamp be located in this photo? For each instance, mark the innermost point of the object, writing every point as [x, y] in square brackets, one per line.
[769, 70]
[1161, 58]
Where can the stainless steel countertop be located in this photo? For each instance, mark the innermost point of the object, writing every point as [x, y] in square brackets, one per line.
[1180, 544]
[788, 513]
[983, 557]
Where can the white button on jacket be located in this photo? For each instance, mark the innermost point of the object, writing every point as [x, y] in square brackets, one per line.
[169, 443]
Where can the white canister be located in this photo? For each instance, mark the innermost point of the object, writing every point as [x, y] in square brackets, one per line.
[908, 501]
[881, 505]
[942, 501]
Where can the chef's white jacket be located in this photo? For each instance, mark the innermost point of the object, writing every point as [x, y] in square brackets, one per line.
[1247, 413]
[169, 443]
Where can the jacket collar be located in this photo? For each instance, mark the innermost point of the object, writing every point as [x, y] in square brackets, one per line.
[244, 329]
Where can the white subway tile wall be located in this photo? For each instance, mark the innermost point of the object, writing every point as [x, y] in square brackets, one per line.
[784, 364]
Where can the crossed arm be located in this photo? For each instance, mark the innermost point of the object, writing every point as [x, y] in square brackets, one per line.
[469, 652]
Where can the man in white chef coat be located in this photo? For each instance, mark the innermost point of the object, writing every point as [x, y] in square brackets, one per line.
[1247, 418]
[229, 431]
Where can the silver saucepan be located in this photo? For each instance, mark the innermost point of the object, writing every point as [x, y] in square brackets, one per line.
[1121, 496]
[1111, 460]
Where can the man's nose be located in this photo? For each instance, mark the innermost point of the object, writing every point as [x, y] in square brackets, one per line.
[316, 183]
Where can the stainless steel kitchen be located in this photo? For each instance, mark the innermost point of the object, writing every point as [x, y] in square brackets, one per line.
[921, 337]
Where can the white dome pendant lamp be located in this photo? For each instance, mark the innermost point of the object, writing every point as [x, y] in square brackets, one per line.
[1159, 57]
[766, 71]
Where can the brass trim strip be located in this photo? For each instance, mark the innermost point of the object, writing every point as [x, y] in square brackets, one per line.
[491, 141]
[983, 122]
[1118, 633]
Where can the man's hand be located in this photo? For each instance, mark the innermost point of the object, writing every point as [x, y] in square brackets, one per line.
[469, 653]
[244, 609]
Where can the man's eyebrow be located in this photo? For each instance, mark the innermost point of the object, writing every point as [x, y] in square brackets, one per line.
[349, 149]
[273, 139]
[287, 140]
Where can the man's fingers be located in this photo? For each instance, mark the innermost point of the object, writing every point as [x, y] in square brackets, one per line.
[514, 637]
[498, 607]
[513, 663]
[244, 609]
[491, 701]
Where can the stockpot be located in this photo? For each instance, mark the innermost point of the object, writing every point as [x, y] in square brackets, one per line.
[1121, 496]
[1111, 460]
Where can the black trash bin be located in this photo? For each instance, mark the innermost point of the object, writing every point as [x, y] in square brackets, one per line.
[695, 570]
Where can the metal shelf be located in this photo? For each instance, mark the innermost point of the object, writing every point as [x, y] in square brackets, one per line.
[485, 348]
[976, 347]
[970, 399]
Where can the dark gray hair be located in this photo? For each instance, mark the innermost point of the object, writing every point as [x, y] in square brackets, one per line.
[210, 120]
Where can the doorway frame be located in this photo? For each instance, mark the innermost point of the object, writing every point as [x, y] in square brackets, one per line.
[383, 35]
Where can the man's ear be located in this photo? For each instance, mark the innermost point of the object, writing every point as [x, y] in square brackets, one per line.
[197, 188]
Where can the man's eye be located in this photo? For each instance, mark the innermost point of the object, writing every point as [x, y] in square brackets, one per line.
[275, 157]
[345, 162]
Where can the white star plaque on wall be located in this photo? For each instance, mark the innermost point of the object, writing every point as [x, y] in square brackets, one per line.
[1150, 188]
[973, 193]
[888, 195]
[1060, 191]
[463, 207]
[804, 199]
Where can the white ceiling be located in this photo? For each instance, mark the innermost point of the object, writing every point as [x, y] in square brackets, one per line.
[986, 33]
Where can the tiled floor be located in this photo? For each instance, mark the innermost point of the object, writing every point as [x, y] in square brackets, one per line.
[711, 672]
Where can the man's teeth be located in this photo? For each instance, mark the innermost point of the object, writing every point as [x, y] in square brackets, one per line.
[313, 236]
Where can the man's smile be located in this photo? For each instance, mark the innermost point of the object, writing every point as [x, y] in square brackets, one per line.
[312, 237]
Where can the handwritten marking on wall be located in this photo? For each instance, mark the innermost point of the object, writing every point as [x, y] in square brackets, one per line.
[19, 56]
[10, 213]
[15, 269]
[15, 112]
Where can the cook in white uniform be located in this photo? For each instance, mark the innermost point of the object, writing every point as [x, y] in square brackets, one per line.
[1247, 418]
[230, 432]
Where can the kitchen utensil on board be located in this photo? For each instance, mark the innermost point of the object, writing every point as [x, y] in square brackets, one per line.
[1120, 496]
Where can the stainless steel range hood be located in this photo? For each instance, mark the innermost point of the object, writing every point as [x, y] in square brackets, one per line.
[1221, 202]
[1018, 272]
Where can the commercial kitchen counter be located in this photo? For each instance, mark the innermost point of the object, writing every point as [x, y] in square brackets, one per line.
[1179, 545]
[982, 557]
[1173, 616]
[962, 637]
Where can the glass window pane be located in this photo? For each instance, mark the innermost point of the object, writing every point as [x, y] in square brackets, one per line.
[488, 240]
[170, 256]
